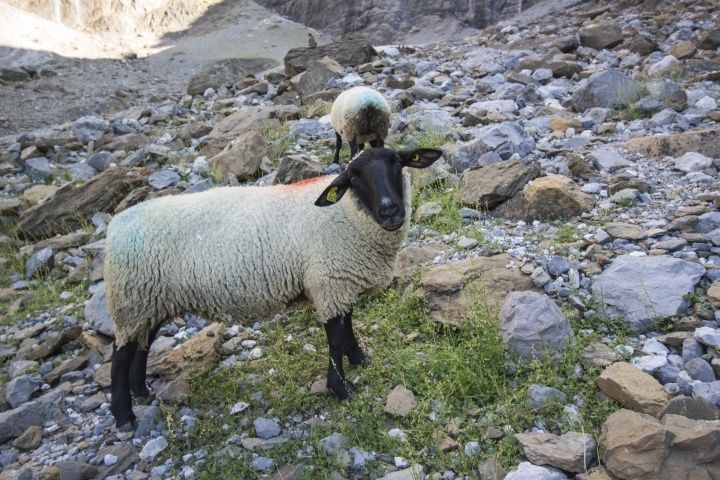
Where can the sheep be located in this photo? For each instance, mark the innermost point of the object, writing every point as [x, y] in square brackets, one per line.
[359, 115]
[244, 253]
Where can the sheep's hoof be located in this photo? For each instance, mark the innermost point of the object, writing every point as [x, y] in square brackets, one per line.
[343, 390]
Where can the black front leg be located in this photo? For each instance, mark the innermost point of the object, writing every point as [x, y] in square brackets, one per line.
[354, 149]
[138, 372]
[335, 331]
[351, 347]
[338, 146]
[121, 403]
[377, 143]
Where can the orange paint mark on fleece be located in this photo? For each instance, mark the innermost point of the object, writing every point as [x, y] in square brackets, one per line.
[307, 182]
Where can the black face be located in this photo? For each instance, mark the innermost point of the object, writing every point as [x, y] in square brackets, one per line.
[376, 179]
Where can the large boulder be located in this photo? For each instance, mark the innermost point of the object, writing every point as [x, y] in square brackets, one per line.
[607, 88]
[705, 142]
[488, 186]
[547, 198]
[227, 73]
[639, 447]
[241, 157]
[533, 326]
[505, 139]
[294, 168]
[260, 118]
[73, 203]
[43, 409]
[451, 289]
[349, 52]
[601, 35]
[318, 74]
[641, 290]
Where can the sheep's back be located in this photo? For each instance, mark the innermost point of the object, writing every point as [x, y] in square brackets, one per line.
[360, 113]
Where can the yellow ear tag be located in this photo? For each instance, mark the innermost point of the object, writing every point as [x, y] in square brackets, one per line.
[417, 157]
[332, 195]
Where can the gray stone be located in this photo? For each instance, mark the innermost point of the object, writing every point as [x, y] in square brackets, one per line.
[693, 162]
[425, 92]
[88, 129]
[601, 35]
[708, 336]
[266, 428]
[41, 261]
[294, 168]
[695, 408]
[606, 88]
[77, 470]
[707, 222]
[707, 391]
[311, 127]
[153, 448]
[528, 471]
[699, 369]
[163, 179]
[262, 463]
[333, 443]
[609, 160]
[558, 265]
[38, 168]
[533, 325]
[317, 76]
[82, 171]
[48, 407]
[691, 349]
[20, 389]
[413, 473]
[96, 312]
[505, 139]
[643, 289]
[539, 395]
[667, 374]
[650, 363]
[100, 161]
[671, 244]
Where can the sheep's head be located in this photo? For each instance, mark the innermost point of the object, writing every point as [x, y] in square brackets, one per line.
[375, 177]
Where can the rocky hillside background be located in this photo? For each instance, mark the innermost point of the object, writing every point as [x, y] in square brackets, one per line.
[555, 309]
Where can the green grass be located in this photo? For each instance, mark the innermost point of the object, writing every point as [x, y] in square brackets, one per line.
[448, 220]
[454, 374]
[568, 233]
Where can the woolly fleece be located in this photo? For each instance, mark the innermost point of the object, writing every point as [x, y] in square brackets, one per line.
[243, 253]
[360, 113]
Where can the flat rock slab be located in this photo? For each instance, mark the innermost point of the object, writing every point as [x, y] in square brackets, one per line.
[572, 451]
[400, 402]
[642, 290]
[633, 388]
[15, 422]
[705, 141]
[196, 353]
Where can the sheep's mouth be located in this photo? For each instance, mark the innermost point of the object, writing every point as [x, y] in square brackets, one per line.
[392, 224]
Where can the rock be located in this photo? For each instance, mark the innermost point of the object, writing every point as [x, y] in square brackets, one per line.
[39, 193]
[46, 408]
[505, 139]
[713, 296]
[488, 186]
[633, 388]
[96, 312]
[400, 402]
[349, 52]
[226, 73]
[411, 257]
[695, 408]
[644, 289]
[266, 428]
[710, 39]
[558, 265]
[639, 447]
[42, 261]
[258, 118]
[90, 129]
[241, 157]
[294, 168]
[21, 388]
[599, 355]
[533, 325]
[609, 160]
[165, 178]
[193, 355]
[38, 169]
[317, 75]
[428, 210]
[54, 342]
[413, 473]
[705, 142]
[699, 369]
[606, 88]
[30, 439]
[153, 448]
[693, 162]
[9, 207]
[93, 402]
[126, 455]
[666, 63]
[69, 365]
[528, 471]
[100, 161]
[601, 35]
[683, 50]
[691, 348]
[671, 244]
[76, 471]
[291, 471]
[572, 451]
[708, 222]
[74, 202]
[547, 198]
[451, 289]
[627, 231]
[538, 396]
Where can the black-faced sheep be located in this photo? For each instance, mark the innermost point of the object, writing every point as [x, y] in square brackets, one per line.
[246, 252]
[359, 115]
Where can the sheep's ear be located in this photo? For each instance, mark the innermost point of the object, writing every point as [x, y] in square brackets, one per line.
[420, 158]
[335, 191]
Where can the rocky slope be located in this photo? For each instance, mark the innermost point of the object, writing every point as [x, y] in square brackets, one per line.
[557, 303]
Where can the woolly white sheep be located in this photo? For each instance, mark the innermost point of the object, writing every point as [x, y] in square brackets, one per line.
[247, 252]
[359, 115]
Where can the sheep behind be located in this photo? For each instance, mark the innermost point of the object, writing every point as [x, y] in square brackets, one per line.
[359, 115]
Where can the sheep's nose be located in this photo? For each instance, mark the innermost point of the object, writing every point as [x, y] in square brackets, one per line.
[388, 208]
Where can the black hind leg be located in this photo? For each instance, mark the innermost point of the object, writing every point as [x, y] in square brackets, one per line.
[351, 347]
[338, 146]
[121, 403]
[138, 372]
[353, 148]
[336, 382]
[377, 143]
[361, 147]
